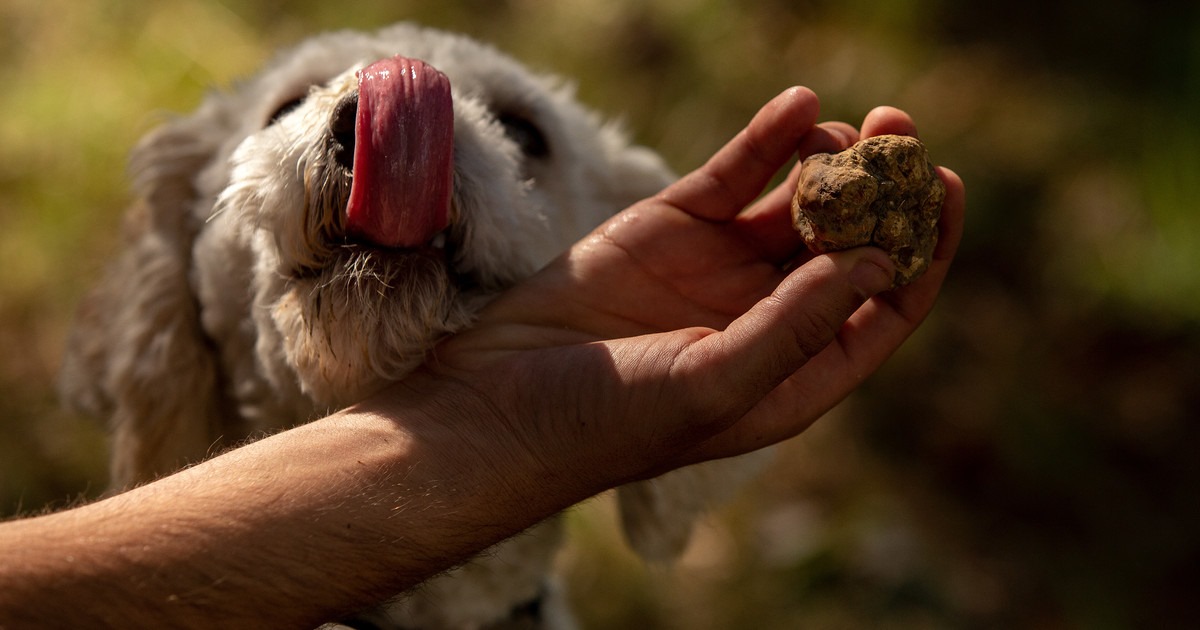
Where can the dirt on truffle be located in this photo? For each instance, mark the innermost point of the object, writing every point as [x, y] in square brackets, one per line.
[883, 191]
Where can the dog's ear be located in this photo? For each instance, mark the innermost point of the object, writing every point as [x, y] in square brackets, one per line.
[658, 515]
[136, 354]
[632, 172]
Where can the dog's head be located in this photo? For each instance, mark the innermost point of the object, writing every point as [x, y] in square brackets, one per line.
[382, 186]
[310, 235]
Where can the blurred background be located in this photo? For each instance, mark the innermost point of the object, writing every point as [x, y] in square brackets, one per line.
[1029, 460]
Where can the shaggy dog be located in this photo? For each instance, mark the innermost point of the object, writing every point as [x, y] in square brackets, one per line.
[307, 238]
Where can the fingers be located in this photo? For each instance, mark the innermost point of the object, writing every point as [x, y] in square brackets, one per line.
[914, 301]
[828, 137]
[729, 181]
[870, 335]
[877, 329]
[768, 222]
[888, 120]
[780, 334]
[950, 228]
[733, 177]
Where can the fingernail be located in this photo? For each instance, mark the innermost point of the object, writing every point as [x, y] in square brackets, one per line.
[872, 271]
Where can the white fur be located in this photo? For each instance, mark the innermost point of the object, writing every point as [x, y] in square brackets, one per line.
[239, 307]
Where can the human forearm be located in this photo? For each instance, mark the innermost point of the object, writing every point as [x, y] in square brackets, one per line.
[319, 520]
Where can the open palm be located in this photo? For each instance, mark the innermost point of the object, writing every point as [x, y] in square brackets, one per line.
[700, 309]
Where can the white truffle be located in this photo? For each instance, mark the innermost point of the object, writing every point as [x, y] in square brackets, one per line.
[883, 191]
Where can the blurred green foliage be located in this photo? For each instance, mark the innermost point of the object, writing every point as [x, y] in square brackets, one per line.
[1027, 460]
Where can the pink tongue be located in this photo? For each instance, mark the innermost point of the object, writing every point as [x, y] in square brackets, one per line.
[403, 154]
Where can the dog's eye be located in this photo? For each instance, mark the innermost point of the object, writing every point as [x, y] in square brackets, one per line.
[284, 109]
[528, 137]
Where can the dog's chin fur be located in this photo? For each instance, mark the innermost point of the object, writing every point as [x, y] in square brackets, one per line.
[240, 305]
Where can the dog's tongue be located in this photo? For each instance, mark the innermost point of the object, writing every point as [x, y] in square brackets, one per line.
[403, 154]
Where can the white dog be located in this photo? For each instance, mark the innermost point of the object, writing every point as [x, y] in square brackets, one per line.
[307, 238]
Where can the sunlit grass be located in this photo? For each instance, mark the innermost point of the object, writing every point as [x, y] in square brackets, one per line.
[1164, 264]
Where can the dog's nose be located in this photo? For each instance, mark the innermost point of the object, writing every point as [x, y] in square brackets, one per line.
[341, 129]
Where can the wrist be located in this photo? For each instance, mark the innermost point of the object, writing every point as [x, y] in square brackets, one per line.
[469, 447]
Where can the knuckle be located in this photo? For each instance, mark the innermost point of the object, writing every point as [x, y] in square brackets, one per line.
[812, 330]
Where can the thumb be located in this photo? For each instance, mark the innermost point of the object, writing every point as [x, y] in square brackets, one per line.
[777, 336]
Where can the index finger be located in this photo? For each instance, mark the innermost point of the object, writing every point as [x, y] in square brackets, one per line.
[738, 173]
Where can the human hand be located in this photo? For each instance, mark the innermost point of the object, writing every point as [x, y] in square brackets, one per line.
[694, 325]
